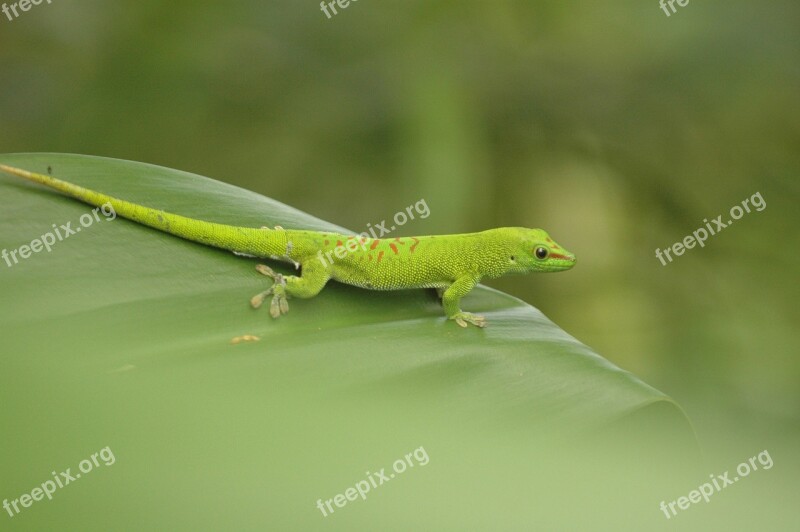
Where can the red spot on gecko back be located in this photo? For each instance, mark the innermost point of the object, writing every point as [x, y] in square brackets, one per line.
[380, 256]
[394, 247]
[399, 241]
[339, 243]
[416, 241]
[375, 243]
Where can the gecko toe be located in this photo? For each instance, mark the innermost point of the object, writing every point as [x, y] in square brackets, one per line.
[275, 308]
[263, 269]
[257, 300]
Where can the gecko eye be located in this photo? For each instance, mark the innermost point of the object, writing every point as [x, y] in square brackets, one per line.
[541, 253]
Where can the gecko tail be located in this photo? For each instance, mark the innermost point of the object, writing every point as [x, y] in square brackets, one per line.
[240, 240]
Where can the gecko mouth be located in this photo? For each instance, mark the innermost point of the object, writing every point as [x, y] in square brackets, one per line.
[560, 262]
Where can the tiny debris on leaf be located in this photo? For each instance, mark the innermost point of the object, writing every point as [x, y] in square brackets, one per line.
[245, 338]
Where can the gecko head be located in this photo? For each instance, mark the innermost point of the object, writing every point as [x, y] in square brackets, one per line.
[537, 252]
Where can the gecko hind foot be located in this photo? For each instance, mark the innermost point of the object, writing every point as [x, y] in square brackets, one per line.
[465, 318]
[279, 304]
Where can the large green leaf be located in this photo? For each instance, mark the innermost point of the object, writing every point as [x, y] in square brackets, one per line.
[121, 337]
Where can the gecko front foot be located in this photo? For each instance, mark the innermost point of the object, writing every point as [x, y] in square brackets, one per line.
[280, 303]
[465, 318]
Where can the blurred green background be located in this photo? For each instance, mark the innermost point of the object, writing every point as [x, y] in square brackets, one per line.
[613, 126]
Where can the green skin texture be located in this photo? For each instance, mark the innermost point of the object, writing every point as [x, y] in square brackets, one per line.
[452, 264]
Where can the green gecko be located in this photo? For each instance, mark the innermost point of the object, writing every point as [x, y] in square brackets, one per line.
[452, 264]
